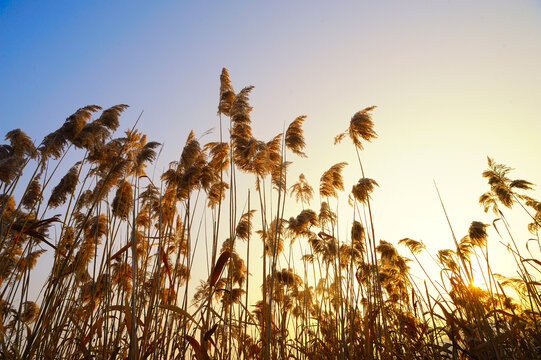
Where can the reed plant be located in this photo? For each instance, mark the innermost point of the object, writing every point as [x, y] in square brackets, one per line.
[124, 249]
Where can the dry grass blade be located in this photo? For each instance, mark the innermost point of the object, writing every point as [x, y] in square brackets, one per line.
[218, 268]
[181, 312]
[200, 354]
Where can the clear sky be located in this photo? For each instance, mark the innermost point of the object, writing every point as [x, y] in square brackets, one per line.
[454, 81]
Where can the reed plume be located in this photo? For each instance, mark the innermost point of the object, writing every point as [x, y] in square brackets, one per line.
[362, 190]
[294, 138]
[302, 190]
[21, 144]
[227, 95]
[33, 194]
[357, 236]
[301, 224]
[331, 180]
[123, 200]
[501, 186]
[10, 168]
[477, 233]
[360, 128]
[109, 117]
[414, 246]
[244, 226]
[66, 187]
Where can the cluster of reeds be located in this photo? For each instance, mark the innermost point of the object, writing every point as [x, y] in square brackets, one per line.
[122, 249]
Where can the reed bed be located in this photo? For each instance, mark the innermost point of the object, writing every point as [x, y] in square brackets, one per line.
[123, 247]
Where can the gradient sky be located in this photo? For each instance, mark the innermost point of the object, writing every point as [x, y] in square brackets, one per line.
[454, 81]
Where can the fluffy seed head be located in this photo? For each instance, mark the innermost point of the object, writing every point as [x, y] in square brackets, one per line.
[357, 235]
[66, 186]
[33, 194]
[21, 143]
[227, 95]
[109, 117]
[361, 191]
[477, 233]
[123, 200]
[414, 246]
[294, 138]
[331, 180]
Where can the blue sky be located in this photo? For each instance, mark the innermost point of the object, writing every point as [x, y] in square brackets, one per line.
[454, 81]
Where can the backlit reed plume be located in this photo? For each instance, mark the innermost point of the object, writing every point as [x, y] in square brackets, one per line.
[30, 312]
[109, 117]
[10, 165]
[146, 154]
[66, 241]
[477, 233]
[28, 262]
[226, 93]
[465, 248]
[123, 200]
[75, 122]
[96, 227]
[233, 296]
[331, 180]
[302, 190]
[217, 193]
[301, 224]
[387, 251]
[238, 269]
[535, 225]
[240, 108]
[413, 245]
[326, 215]
[502, 188]
[92, 135]
[191, 172]
[33, 194]
[350, 255]
[241, 131]
[447, 258]
[190, 152]
[244, 226]
[288, 278]
[275, 232]
[21, 143]
[121, 274]
[360, 128]
[294, 138]
[279, 174]
[54, 143]
[219, 155]
[362, 190]
[325, 246]
[357, 236]
[66, 187]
